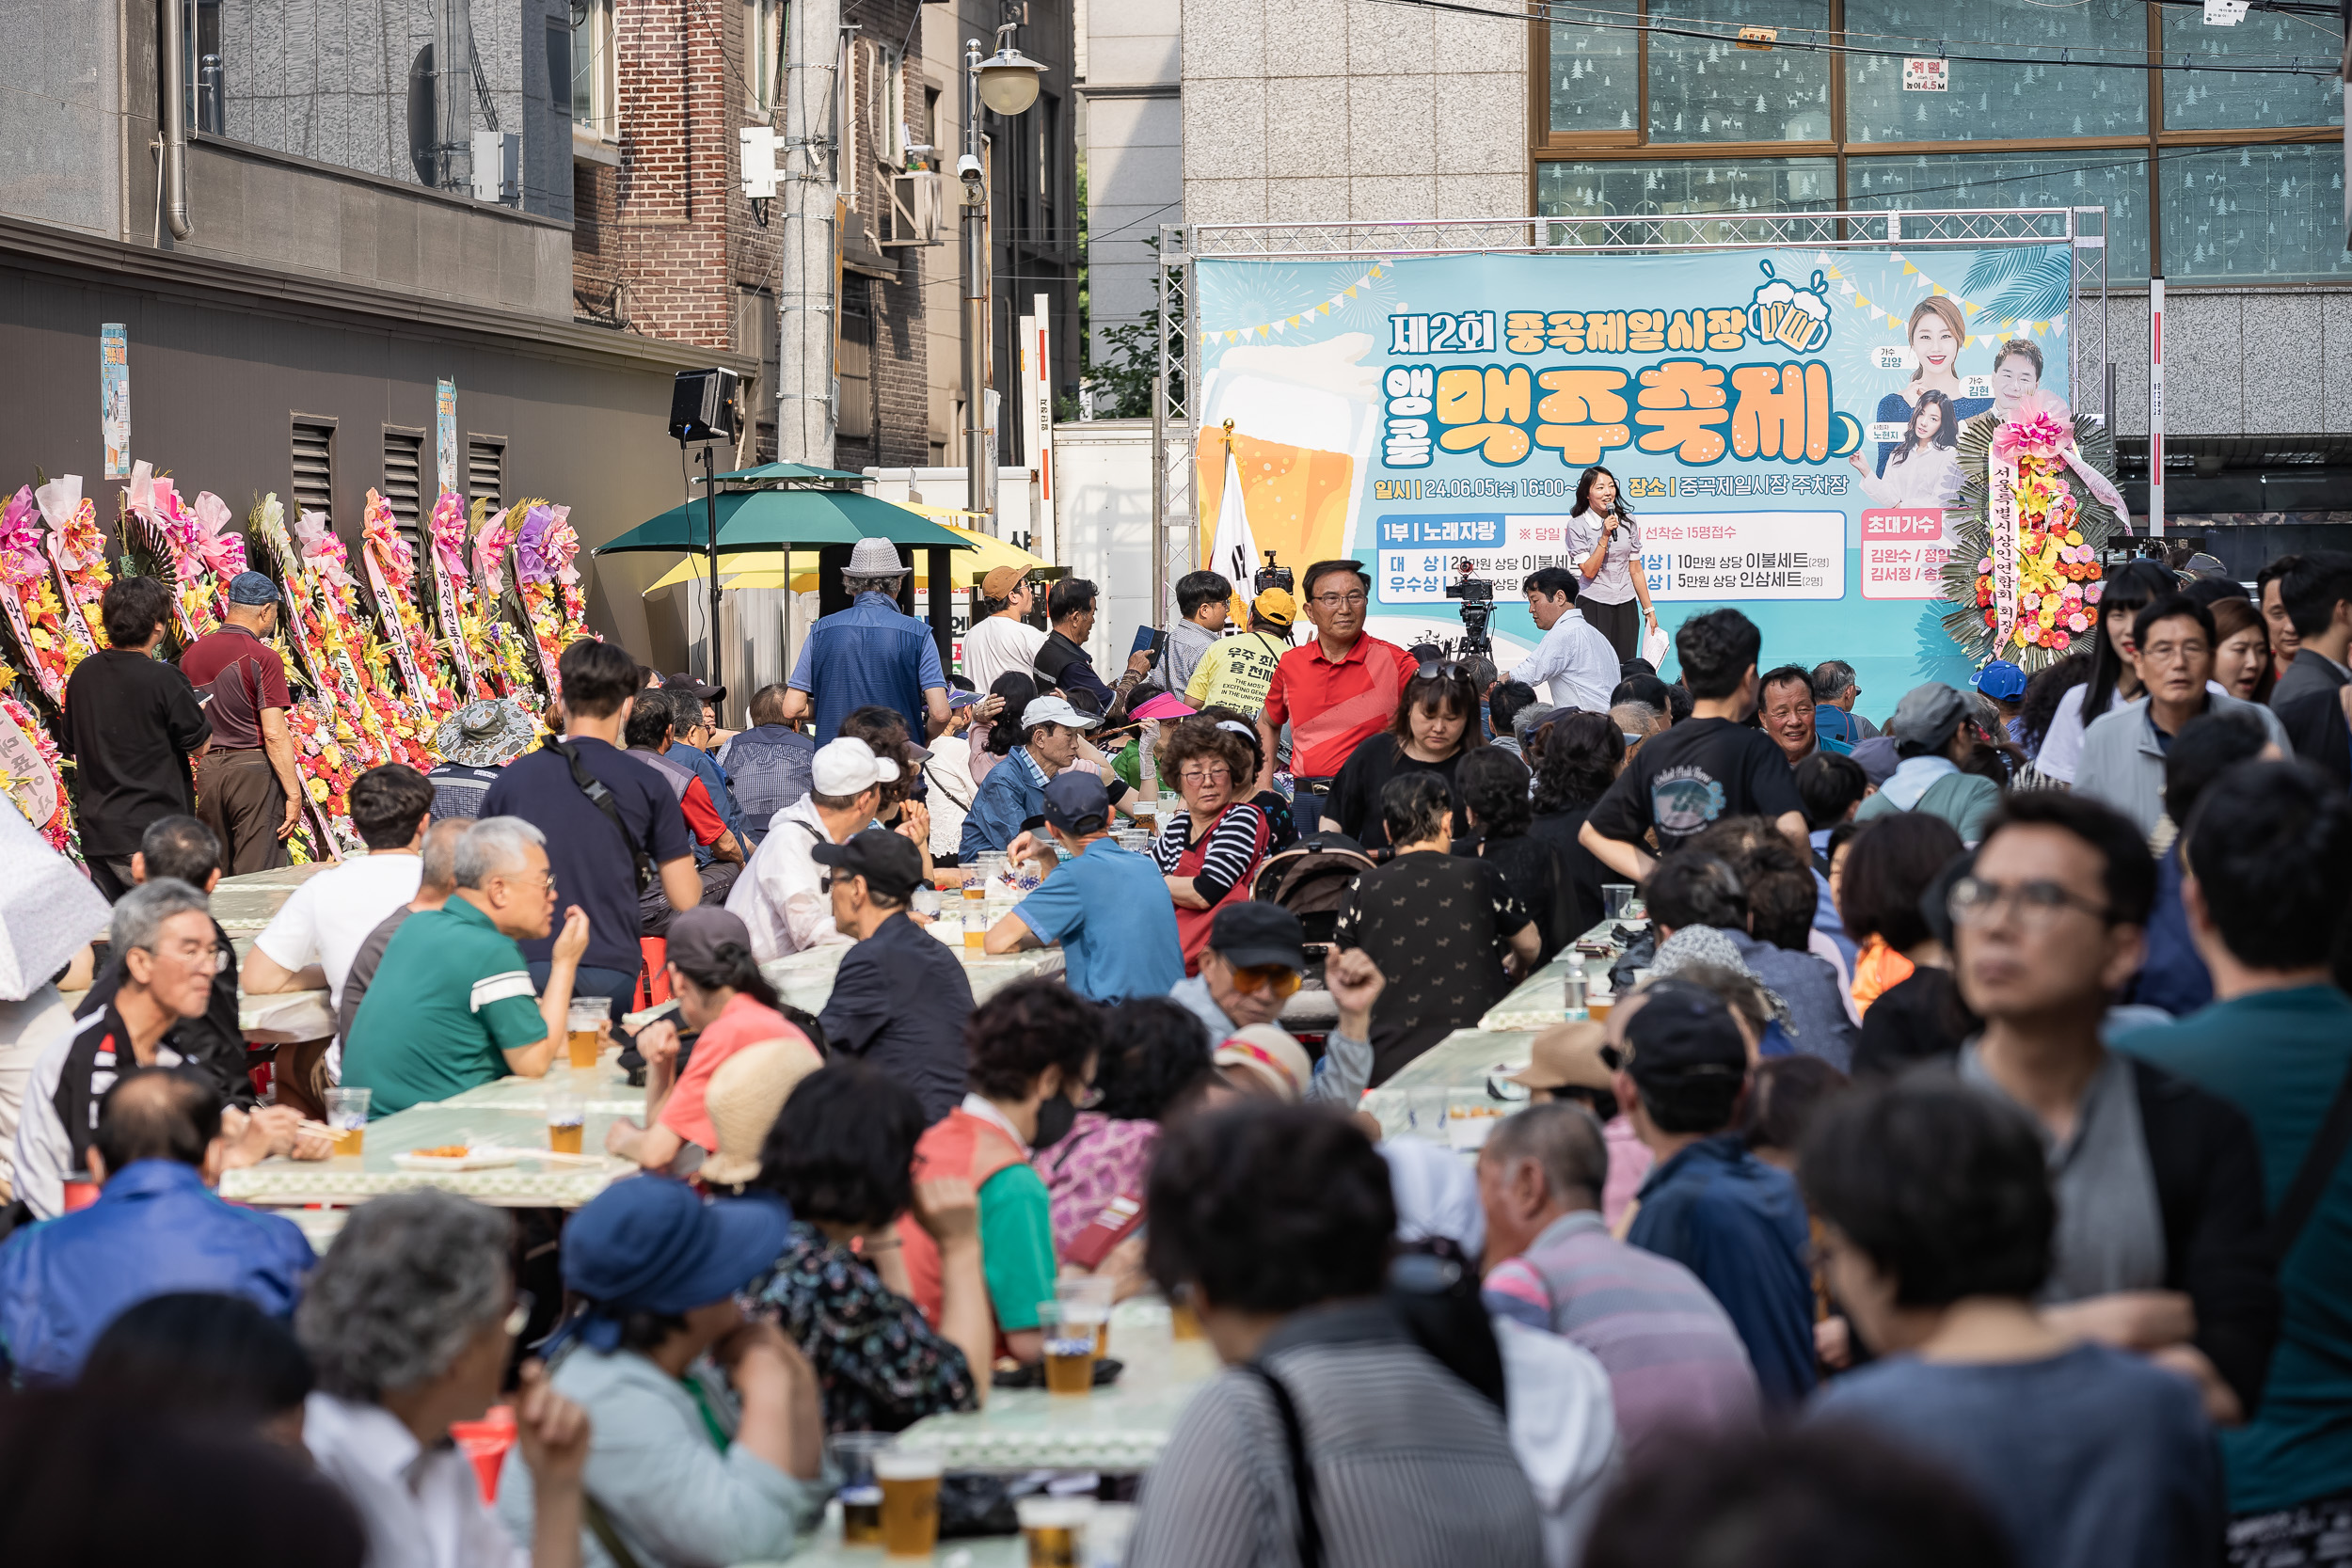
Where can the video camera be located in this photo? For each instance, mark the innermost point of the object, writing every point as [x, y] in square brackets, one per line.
[1271, 576]
[1478, 606]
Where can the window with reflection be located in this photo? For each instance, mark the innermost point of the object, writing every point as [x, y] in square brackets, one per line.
[1595, 82]
[2012, 102]
[1668, 188]
[2240, 214]
[1712, 90]
[2115, 178]
[1643, 106]
[2245, 99]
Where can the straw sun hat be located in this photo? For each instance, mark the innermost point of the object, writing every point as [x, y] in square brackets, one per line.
[743, 1097]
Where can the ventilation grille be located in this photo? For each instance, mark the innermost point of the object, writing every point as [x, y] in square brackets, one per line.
[486, 472]
[313, 487]
[404, 481]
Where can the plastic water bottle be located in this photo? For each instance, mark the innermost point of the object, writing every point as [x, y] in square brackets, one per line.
[1572, 1002]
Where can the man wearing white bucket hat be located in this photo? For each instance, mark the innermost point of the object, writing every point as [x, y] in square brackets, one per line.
[872, 653]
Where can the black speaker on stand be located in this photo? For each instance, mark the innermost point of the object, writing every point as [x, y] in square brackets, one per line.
[703, 407]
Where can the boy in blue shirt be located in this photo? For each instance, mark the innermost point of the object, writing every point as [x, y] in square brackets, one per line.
[1109, 908]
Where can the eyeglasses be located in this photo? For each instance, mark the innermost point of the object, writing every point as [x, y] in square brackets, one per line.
[1973, 902]
[1281, 979]
[2174, 653]
[1207, 775]
[1341, 601]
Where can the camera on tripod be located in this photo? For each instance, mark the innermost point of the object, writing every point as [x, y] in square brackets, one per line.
[1271, 576]
[1478, 606]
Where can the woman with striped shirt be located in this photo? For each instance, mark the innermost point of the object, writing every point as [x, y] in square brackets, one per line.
[1211, 849]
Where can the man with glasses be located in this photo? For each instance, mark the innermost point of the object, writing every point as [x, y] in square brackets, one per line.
[1335, 692]
[1254, 962]
[165, 953]
[451, 1005]
[2159, 1246]
[2124, 750]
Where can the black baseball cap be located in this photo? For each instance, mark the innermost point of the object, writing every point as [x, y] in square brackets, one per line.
[684, 682]
[1248, 935]
[1681, 1032]
[889, 862]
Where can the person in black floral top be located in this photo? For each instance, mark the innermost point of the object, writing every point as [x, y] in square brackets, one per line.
[840, 1154]
[1440, 926]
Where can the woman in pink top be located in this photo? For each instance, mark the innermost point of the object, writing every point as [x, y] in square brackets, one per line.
[720, 992]
[1155, 1056]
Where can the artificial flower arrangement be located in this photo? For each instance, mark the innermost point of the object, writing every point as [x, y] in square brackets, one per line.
[35, 615]
[326, 759]
[544, 548]
[453, 584]
[189, 544]
[392, 568]
[32, 772]
[77, 551]
[510, 649]
[2024, 564]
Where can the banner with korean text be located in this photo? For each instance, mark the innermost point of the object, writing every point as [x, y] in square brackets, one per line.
[1782, 424]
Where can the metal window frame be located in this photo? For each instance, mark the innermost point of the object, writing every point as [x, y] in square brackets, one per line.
[1176, 380]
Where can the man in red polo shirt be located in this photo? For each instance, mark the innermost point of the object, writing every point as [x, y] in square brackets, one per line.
[1336, 692]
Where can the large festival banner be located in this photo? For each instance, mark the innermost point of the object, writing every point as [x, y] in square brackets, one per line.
[1783, 424]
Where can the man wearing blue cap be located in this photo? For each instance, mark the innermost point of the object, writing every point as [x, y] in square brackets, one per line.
[1107, 906]
[246, 790]
[2003, 684]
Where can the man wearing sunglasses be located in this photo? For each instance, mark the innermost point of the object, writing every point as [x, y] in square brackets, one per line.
[1255, 961]
[2160, 1246]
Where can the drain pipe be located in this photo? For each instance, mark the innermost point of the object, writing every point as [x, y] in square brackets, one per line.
[174, 139]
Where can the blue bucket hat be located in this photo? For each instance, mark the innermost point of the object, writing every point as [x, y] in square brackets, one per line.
[647, 1243]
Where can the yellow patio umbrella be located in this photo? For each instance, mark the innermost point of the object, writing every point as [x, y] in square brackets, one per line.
[760, 571]
[690, 569]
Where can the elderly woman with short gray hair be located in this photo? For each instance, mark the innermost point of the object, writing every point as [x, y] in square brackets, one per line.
[409, 1322]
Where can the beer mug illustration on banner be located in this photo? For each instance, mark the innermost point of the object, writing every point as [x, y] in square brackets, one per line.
[1781, 313]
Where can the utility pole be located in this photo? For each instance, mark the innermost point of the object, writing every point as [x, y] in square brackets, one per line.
[452, 94]
[810, 148]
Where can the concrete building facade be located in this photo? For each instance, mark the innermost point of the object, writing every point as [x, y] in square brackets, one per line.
[2226, 181]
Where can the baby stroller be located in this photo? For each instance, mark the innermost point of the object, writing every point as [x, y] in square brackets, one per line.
[1312, 879]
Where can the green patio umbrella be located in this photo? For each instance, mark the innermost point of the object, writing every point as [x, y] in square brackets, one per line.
[774, 472]
[773, 519]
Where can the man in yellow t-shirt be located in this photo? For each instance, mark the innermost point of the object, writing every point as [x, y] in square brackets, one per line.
[1236, 670]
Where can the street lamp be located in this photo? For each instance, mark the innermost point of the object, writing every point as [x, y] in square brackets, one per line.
[1006, 83]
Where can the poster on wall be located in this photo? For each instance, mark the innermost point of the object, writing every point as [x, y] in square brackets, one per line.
[1783, 425]
[114, 398]
[445, 433]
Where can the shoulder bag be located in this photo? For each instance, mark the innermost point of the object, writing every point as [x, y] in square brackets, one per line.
[602, 797]
[2311, 1177]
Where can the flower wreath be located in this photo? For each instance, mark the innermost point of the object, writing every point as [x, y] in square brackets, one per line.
[2024, 571]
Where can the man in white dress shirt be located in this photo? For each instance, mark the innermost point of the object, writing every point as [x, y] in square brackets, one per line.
[1574, 657]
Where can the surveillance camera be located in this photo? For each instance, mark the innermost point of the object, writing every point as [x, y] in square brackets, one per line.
[968, 169]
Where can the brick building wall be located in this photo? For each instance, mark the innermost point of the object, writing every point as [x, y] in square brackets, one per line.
[665, 243]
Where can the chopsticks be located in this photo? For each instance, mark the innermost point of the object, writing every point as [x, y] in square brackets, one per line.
[547, 1154]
